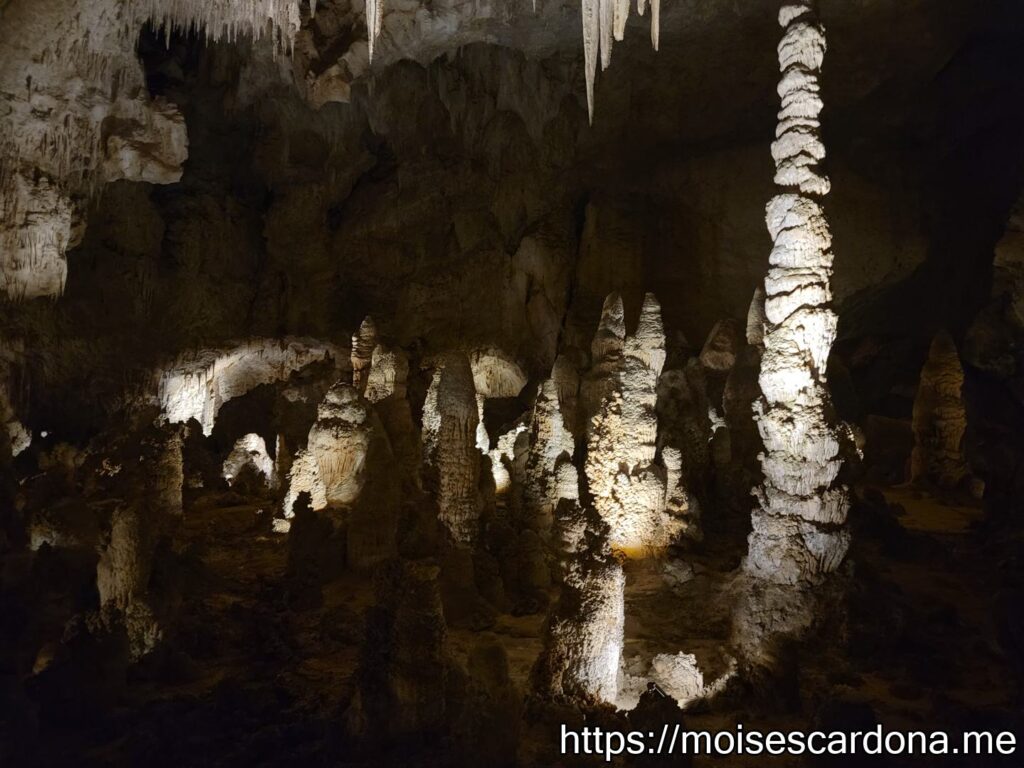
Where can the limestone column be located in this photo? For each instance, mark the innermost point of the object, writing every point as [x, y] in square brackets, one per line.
[458, 459]
[940, 418]
[798, 525]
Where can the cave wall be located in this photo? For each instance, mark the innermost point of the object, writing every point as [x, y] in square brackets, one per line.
[467, 200]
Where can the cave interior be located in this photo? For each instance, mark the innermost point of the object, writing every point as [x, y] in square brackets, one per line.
[387, 383]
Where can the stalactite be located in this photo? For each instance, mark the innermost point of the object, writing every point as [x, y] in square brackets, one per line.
[604, 21]
[799, 534]
[374, 20]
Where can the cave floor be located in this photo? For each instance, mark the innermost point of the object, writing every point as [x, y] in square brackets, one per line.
[263, 674]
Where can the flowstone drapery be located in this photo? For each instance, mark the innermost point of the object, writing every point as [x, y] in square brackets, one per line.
[798, 534]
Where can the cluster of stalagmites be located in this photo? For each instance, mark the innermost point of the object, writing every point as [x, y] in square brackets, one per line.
[940, 418]
[627, 485]
[129, 503]
[557, 497]
[798, 533]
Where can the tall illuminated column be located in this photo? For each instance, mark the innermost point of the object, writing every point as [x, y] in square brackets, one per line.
[799, 533]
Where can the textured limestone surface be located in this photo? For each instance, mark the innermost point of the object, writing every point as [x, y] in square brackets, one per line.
[798, 532]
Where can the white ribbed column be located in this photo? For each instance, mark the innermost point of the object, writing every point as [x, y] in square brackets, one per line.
[798, 526]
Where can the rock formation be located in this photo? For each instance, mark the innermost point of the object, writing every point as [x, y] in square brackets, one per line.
[566, 378]
[798, 531]
[584, 635]
[74, 114]
[364, 341]
[402, 677]
[123, 574]
[196, 385]
[603, 22]
[458, 459]
[939, 418]
[249, 464]
[386, 389]
[345, 469]
[605, 358]
[551, 446]
[756, 319]
[721, 347]
[685, 442]
[627, 486]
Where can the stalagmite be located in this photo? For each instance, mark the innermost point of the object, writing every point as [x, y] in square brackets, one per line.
[165, 475]
[940, 418]
[606, 357]
[340, 441]
[627, 486]
[364, 341]
[584, 636]
[123, 573]
[756, 319]
[551, 445]
[331, 468]
[458, 459]
[567, 384]
[386, 388]
[345, 469]
[389, 371]
[799, 534]
[401, 683]
[718, 354]
[685, 441]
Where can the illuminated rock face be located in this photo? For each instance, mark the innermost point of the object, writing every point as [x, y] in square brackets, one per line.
[756, 319]
[603, 22]
[583, 644]
[74, 114]
[388, 375]
[196, 385]
[346, 468]
[798, 534]
[249, 461]
[458, 458]
[340, 441]
[627, 486]
[939, 417]
[331, 469]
